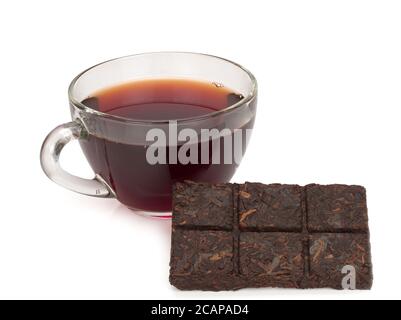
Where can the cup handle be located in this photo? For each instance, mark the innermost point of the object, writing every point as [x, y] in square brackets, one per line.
[49, 159]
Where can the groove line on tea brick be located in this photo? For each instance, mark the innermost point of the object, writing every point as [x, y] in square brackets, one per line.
[305, 211]
[305, 233]
[236, 231]
[339, 231]
[307, 271]
[270, 229]
[191, 227]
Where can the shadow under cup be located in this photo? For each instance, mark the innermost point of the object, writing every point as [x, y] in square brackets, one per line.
[117, 147]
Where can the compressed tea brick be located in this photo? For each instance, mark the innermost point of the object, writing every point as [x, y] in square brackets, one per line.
[230, 236]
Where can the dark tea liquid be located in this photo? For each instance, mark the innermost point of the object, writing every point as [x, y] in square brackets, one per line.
[137, 183]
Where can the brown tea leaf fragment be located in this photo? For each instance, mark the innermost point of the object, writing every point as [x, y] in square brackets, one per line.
[244, 215]
[275, 263]
[317, 249]
[297, 259]
[244, 194]
[360, 247]
[220, 255]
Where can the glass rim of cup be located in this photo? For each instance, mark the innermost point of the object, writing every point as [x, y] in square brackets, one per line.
[247, 98]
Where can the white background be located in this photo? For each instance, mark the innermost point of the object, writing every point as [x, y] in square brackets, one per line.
[329, 76]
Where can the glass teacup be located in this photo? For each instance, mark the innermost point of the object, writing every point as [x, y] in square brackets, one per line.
[126, 154]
